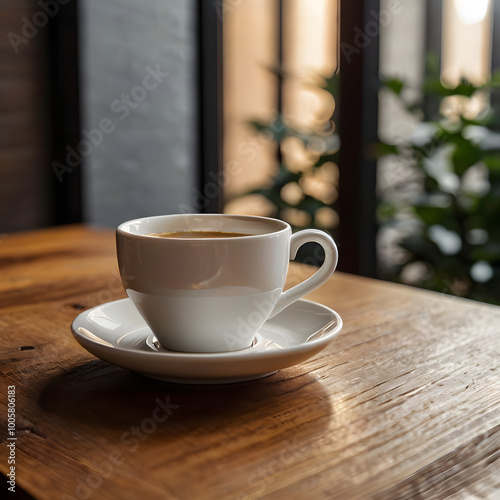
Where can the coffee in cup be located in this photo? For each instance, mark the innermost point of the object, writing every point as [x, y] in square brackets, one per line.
[198, 234]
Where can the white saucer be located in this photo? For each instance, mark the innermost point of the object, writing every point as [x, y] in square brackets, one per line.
[116, 332]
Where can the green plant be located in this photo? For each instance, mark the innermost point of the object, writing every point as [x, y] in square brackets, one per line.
[303, 196]
[444, 204]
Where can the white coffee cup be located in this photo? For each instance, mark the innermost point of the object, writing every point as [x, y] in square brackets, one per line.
[213, 294]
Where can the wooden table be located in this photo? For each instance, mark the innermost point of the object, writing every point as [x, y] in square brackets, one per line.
[404, 404]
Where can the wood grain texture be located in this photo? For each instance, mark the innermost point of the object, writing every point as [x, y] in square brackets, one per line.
[404, 404]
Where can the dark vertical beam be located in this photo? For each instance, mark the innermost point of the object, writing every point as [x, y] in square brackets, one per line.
[64, 110]
[434, 26]
[495, 47]
[280, 72]
[358, 121]
[495, 39]
[433, 45]
[210, 105]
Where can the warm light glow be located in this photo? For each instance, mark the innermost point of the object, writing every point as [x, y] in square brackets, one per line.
[466, 45]
[471, 11]
[250, 93]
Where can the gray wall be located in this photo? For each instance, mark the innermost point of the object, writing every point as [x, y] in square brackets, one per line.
[141, 151]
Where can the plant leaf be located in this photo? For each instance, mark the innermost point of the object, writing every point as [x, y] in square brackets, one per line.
[394, 84]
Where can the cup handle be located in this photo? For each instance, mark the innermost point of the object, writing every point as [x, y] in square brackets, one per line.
[319, 277]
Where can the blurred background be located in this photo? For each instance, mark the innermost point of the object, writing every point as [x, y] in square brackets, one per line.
[376, 121]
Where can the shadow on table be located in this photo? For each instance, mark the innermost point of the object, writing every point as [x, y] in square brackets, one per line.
[115, 402]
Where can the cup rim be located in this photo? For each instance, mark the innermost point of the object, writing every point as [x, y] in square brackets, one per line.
[123, 230]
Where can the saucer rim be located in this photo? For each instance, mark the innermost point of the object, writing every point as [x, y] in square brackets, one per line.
[248, 352]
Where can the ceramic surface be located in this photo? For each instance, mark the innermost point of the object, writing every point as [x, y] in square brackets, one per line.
[116, 332]
[213, 294]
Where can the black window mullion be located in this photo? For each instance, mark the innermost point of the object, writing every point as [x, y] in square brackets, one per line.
[210, 170]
